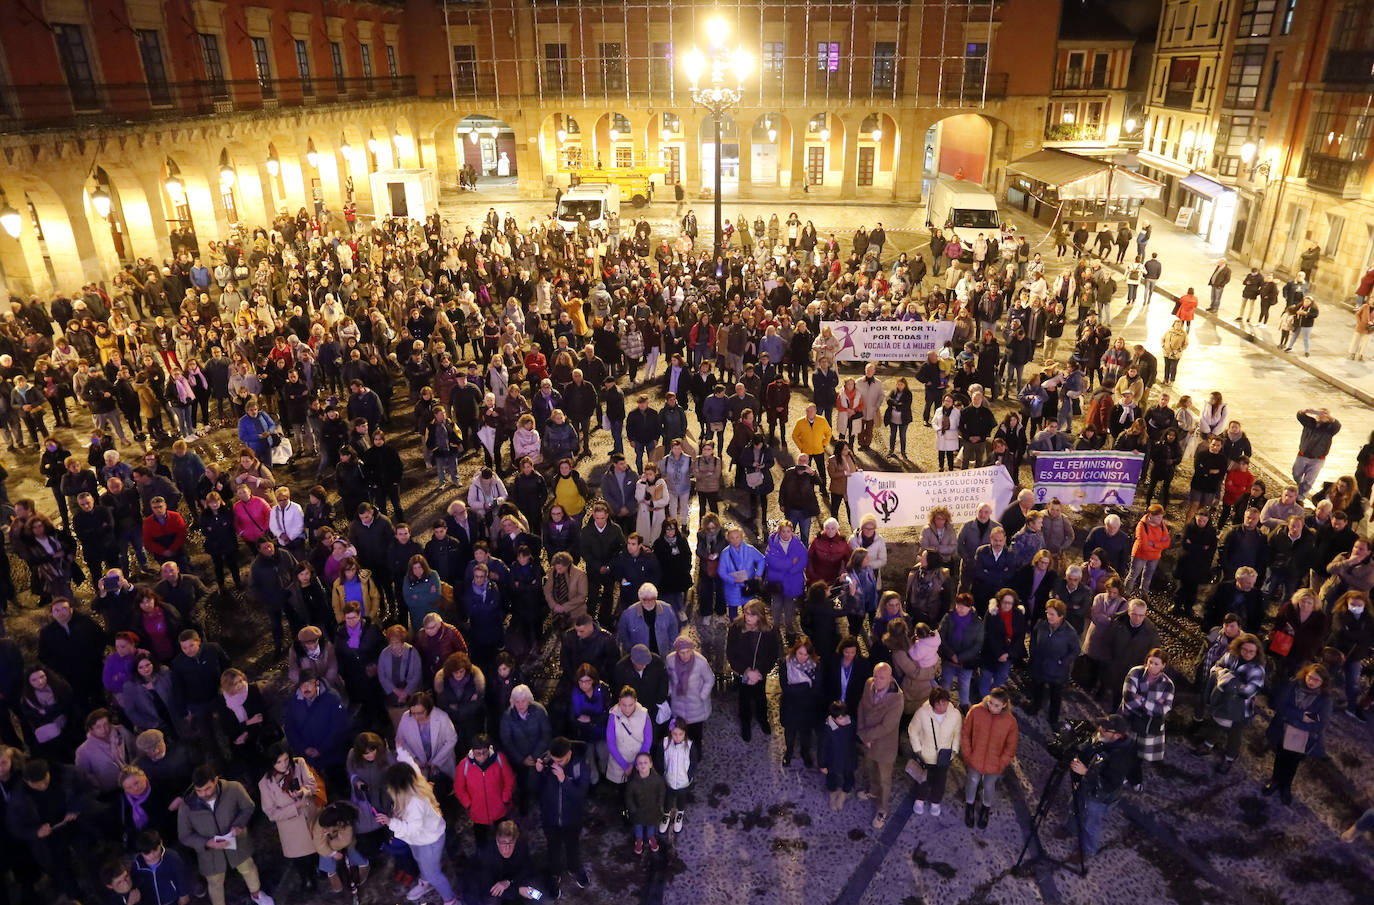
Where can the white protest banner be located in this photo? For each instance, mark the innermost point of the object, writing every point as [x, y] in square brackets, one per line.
[904, 500]
[889, 340]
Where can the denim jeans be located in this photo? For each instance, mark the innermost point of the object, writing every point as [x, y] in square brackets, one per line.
[330, 866]
[428, 857]
[617, 437]
[1142, 573]
[990, 677]
[1305, 471]
[1094, 818]
[950, 674]
[802, 521]
[1149, 289]
[1216, 297]
[447, 467]
[987, 782]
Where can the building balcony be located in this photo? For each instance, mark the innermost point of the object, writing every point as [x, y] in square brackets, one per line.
[1352, 69]
[1335, 175]
[31, 107]
[1081, 80]
[1075, 132]
[1179, 98]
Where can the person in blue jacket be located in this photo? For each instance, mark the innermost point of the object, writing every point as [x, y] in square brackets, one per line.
[256, 428]
[741, 564]
[160, 873]
[648, 622]
[318, 727]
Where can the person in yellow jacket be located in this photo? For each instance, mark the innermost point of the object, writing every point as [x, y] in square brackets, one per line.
[812, 435]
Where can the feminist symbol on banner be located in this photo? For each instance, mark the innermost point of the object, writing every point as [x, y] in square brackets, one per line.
[884, 503]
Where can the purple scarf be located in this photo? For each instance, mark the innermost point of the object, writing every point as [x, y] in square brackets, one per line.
[136, 807]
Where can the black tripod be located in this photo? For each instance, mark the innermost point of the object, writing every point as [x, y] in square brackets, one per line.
[1042, 810]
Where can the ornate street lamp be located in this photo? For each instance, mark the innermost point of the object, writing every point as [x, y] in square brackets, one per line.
[722, 66]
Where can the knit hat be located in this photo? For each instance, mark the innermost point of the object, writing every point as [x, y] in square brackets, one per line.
[640, 656]
[308, 634]
[684, 643]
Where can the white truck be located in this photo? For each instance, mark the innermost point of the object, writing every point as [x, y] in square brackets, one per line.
[595, 201]
[965, 207]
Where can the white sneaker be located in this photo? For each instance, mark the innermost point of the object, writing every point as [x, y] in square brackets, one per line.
[678, 818]
[919, 807]
[262, 898]
[418, 891]
[935, 810]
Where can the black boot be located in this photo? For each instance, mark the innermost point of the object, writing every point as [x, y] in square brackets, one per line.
[983, 813]
[968, 815]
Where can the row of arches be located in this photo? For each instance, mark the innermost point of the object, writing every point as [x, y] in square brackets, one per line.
[79, 222]
[858, 153]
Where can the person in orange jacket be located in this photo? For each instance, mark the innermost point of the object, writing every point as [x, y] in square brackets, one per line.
[1151, 540]
[987, 743]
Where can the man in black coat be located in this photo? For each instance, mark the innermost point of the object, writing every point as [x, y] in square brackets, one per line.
[1240, 595]
[73, 644]
[580, 404]
[587, 642]
[643, 670]
[196, 673]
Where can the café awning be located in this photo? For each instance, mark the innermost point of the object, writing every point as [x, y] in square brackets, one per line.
[1199, 184]
[1084, 179]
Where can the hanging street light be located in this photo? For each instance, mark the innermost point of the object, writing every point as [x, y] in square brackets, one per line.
[725, 70]
[10, 220]
[273, 166]
[100, 200]
[312, 156]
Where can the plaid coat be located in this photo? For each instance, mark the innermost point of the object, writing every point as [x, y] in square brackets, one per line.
[1145, 705]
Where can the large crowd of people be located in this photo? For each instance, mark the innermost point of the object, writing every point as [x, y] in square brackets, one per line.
[551, 610]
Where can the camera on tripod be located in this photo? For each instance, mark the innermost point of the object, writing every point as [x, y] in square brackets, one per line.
[1073, 741]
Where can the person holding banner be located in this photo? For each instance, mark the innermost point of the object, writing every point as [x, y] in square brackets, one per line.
[898, 416]
[849, 407]
[946, 424]
[838, 469]
[871, 392]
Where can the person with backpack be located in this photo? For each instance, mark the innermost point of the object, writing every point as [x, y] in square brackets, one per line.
[484, 785]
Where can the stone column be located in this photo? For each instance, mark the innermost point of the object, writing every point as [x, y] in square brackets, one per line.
[746, 152]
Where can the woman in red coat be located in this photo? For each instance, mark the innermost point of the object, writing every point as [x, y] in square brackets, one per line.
[1187, 306]
[483, 784]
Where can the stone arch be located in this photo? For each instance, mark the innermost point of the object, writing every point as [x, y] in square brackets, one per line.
[612, 135]
[55, 240]
[729, 153]
[562, 144]
[879, 149]
[360, 162]
[135, 208]
[819, 147]
[770, 140]
[973, 145]
[22, 269]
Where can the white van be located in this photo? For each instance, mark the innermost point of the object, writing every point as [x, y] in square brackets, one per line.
[966, 207]
[594, 200]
